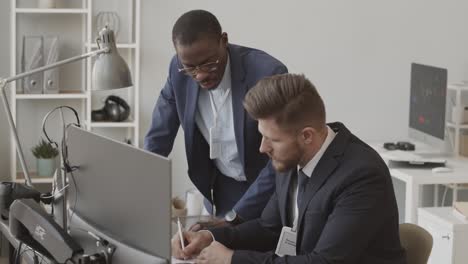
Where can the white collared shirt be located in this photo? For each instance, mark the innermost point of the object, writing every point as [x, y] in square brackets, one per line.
[229, 162]
[308, 169]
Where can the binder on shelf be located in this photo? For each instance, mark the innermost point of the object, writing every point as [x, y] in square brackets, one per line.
[51, 77]
[32, 58]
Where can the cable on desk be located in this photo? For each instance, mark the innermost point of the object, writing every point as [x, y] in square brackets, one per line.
[76, 198]
[17, 253]
[69, 169]
[56, 193]
[64, 126]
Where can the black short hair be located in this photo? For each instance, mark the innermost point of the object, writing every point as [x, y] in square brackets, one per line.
[193, 25]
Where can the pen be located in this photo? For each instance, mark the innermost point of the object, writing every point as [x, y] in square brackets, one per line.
[180, 233]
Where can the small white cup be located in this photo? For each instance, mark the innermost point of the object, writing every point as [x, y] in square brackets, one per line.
[459, 114]
[194, 201]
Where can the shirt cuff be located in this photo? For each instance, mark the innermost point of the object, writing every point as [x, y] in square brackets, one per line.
[212, 236]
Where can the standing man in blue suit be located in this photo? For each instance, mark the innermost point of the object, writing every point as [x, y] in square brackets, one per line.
[208, 78]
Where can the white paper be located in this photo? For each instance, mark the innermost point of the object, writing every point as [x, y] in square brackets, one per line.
[181, 261]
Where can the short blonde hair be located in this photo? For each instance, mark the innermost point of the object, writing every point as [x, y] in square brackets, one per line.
[291, 99]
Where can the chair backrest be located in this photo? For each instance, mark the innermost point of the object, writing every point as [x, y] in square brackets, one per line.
[417, 243]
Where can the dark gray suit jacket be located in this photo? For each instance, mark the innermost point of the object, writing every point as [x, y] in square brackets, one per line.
[348, 214]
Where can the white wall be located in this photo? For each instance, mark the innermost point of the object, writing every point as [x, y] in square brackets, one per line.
[358, 53]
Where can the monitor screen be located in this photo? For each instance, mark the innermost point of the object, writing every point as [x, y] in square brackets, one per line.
[427, 104]
[122, 191]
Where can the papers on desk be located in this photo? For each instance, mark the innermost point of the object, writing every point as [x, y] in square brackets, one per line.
[181, 261]
[460, 209]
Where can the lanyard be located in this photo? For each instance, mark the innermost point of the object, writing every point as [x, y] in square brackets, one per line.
[213, 106]
[295, 221]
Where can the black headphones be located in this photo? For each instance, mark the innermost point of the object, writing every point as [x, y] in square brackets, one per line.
[115, 109]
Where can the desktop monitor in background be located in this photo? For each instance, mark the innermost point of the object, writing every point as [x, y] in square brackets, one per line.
[122, 193]
[428, 105]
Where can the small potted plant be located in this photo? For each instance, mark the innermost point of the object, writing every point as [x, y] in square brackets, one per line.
[46, 156]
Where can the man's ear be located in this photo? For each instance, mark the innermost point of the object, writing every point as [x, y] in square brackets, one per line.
[224, 38]
[307, 135]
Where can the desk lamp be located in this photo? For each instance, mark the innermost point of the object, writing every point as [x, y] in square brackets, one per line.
[109, 72]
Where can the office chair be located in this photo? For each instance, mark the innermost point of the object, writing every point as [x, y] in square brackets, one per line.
[417, 242]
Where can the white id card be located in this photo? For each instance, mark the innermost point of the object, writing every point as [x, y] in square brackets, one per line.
[215, 142]
[286, 243]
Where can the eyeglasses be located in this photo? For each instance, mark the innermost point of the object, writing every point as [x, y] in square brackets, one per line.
[207, 67]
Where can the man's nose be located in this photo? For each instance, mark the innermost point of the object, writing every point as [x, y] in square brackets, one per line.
[264, 147]
[200, 76]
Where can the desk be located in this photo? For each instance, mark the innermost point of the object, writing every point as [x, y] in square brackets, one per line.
[123, 255]
[414, 177]
[28, 255]
[449, 233]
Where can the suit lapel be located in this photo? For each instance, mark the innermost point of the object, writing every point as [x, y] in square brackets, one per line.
[239, 89]
[191, 106]
[319, 176]
[325, 167]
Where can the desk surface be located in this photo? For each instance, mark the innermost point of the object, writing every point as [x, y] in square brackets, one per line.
[123, 254]
[27, 255]
[424, 175]
[415, 177]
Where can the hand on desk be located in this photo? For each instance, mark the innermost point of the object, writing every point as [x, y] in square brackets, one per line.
[194, 242]
[200, 225]
[214, 254]
[201, 244]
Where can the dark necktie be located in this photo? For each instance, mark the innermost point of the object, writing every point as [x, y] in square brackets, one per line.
[301, 183]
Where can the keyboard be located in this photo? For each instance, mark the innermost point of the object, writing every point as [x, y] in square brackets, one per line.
[414, 158]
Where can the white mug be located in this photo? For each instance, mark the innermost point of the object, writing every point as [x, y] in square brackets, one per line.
[194, 202]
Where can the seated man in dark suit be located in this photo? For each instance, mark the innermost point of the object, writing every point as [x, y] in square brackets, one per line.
[334, 200]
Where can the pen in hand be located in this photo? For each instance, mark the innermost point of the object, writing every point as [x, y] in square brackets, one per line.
[180, 233]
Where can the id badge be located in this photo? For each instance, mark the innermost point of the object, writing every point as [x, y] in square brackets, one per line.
[286, 243]
[215, 142]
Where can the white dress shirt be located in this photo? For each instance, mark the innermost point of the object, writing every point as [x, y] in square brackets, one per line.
[308, 169]
[229, 162]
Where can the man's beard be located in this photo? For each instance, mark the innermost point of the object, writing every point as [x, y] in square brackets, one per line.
[289, 164]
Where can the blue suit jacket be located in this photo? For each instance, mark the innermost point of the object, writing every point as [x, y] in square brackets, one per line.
[176, 107]
[348, 213]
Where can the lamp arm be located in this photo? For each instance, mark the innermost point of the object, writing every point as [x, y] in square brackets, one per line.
[27, 177]
[57, 64]
[3, 84]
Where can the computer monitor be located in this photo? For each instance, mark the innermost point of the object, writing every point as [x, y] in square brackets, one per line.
[428, 105]
[122, 192]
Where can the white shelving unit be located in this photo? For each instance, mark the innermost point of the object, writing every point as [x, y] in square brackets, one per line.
[456, 93]
[51, 11]
[79, 31]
